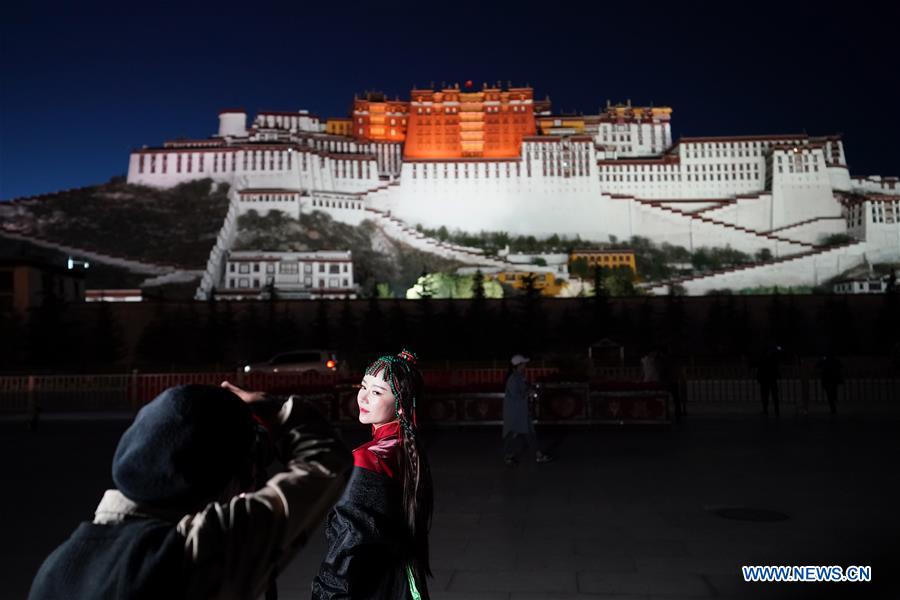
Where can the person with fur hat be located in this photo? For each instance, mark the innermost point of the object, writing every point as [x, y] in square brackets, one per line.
[518, 426]
[185, 519]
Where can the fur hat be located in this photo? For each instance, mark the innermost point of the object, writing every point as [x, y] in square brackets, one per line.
[184, 447]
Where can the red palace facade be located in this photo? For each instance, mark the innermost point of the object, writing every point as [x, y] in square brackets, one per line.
[450, 122]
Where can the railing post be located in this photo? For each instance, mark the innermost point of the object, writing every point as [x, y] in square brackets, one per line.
[33, 408]
[133, 390]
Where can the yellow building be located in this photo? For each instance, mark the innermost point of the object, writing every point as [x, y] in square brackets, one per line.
[546, 283]
[339, 126]
[560, 125]
[609, 259]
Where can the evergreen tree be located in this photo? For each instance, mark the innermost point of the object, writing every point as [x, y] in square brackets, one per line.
[373, 328]
[478, 286]
[321, 331]
[599, 306]
[106, 338]
[346, 337]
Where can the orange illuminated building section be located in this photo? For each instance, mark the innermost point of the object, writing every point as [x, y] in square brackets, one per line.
[461, 123]
[379, 119]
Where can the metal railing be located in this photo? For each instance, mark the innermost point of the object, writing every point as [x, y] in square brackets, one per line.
[705, 390]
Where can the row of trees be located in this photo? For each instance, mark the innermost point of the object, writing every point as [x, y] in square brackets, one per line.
[223, 335]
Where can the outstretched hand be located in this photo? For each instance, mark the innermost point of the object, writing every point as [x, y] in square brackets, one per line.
[245, 395]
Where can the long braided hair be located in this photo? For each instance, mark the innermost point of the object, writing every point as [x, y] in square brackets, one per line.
[400, 373]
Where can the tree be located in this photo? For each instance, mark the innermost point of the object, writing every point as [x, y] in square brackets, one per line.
[763, 255]
[580, 268]
[321, 331]
[346, 327]
[600, 305]
[106, 339]
[478, 286]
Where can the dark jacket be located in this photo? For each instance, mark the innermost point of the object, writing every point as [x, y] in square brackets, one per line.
[367, 545]
[141, 559]
[226, 550]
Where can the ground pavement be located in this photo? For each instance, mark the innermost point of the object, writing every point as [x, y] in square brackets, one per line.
[621, 513]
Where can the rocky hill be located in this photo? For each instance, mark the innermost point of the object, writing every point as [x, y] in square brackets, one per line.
[173, 227]
[376, 258]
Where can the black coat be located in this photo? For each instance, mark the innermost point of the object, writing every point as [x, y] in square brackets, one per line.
[366, 555]
[136, 559]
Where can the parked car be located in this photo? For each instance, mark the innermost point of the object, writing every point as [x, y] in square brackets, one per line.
[298, 361]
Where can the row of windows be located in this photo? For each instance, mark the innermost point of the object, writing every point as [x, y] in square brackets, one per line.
[678, 177]
[432, 169]
[285, 267]
[337, 204]
[270, 198]
[885, 212]
[252, 160]
[855, 216]
[248, 283]
[611, 259]
[344, 168]
[674, 168]
[804, 169]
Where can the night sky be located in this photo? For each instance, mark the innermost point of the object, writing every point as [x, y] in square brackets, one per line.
[81, 88]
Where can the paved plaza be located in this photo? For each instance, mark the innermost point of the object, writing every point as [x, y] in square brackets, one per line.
[622, 513]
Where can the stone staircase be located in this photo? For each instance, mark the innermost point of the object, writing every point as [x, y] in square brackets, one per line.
[807, 268]
[399, 231]
[753, 237]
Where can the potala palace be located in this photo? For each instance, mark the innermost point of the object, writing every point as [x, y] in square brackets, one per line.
[497, 159]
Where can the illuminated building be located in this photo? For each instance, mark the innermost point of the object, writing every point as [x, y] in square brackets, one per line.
[609, 259]
[561, 125]
[379, 119]
[339, 126]
[319, 274]
[463, 123]
[494, 159]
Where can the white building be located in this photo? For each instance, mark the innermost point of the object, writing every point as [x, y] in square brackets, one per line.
[624, 177]
[866, 285]
[320, 274]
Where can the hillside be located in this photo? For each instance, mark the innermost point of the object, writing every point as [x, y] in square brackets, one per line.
[98, 276]
[376, 258]
[175, 227]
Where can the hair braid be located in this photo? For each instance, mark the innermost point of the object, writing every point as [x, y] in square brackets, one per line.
[405, 381]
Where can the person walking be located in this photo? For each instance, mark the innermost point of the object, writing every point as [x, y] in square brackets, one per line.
[518, 426]
[767, 374]
[831, 375]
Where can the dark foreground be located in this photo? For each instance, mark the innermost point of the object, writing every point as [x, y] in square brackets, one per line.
[620, 514]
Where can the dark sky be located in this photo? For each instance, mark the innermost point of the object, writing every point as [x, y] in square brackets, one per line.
[81, 88]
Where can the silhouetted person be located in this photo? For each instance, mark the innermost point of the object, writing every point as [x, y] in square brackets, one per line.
[832, 376]
[517, 423]
[651, 367]
[184, 520]
[658, 368]
[767, 374]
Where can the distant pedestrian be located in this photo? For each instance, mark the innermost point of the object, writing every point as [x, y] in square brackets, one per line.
[650, 367]
[767, 374]
[518, 426]
[831, 375]
[657, 367]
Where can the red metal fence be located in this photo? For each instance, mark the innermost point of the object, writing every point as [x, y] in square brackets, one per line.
[472, 395]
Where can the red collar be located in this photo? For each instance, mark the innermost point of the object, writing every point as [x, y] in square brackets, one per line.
[387, 430]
